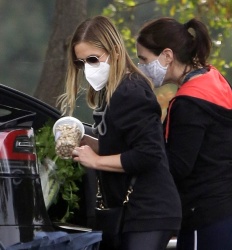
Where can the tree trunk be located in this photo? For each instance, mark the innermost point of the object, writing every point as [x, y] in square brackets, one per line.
[68, 14]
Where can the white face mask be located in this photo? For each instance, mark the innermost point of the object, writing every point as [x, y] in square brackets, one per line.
[97, 76]
[155, 71]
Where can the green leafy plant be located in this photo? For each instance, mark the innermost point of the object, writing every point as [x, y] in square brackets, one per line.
[66, 173]
[217, 15]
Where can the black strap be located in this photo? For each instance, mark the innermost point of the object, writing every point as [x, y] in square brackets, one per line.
[132, 182]
[130, 189]
[99, 198]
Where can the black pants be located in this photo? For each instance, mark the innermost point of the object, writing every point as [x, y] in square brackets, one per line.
[217, 236]
[154, 240]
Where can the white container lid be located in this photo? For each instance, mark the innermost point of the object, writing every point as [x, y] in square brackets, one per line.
[69, 120]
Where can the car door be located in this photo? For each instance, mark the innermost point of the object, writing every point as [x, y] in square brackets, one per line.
[11, 97]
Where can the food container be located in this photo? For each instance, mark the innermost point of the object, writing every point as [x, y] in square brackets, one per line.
[68, 132]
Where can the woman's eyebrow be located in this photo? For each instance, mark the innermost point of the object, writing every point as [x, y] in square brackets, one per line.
[142, 57]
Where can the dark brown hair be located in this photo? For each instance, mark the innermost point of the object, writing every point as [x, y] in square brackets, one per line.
[190, 42]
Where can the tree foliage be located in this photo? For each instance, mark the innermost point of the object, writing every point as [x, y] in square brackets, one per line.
[217, 15]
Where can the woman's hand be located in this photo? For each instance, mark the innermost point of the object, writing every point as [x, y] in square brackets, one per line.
[90, 141]
[86, 156]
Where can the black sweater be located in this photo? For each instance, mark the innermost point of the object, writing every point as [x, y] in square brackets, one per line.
[134, 130]
[200, 149]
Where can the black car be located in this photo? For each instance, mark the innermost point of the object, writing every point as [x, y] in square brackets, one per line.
[22, 206]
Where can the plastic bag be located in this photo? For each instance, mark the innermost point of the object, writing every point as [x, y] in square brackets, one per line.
[50, 186]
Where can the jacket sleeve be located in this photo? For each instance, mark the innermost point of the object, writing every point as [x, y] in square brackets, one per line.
[136, 113]
[186, 133]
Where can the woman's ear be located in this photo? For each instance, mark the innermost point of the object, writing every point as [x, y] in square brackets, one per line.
[168, 55]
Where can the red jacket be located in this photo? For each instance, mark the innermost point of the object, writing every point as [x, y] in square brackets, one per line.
[199, 147]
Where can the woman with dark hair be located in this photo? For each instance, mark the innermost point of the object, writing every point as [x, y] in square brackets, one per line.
[130, 136]
[198, 128]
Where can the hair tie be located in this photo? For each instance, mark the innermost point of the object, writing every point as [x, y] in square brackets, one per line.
[190, 30]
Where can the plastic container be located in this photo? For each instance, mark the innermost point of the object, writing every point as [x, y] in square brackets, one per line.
[68, 132]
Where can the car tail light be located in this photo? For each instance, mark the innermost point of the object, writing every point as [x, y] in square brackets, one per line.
[17, 144]
[22, 207]
[24, 144]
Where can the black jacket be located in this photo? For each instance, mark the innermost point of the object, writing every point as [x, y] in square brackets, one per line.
[134, 130]
[199, 146]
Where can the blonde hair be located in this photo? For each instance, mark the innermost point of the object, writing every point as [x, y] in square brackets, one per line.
[100, 32]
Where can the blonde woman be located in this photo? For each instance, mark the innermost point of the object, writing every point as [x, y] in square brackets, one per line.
[130, 141]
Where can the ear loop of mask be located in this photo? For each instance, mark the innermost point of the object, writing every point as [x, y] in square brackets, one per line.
[101, 127]
[106, 61]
